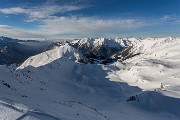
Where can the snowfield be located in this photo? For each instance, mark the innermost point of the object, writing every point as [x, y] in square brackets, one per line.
[143, 83]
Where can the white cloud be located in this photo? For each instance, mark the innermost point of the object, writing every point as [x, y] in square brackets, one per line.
[57, 26]
[88, 25]
[167, 17]
[14, 32]
[40, 12]
[52, 25]
[13, 10]
[172, 19]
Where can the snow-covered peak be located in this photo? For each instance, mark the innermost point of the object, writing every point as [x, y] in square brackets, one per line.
[101, 47]
[65, 52]
[107, 42]
[83, 41]
[110, 42]
[113, 42]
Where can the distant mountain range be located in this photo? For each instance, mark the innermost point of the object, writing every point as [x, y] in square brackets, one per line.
[99, 50]
[17, 51]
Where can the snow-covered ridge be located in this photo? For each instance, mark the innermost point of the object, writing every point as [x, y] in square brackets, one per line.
[65, 52]
[84, 50]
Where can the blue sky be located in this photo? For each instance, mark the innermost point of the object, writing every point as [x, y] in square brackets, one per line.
[89, 18]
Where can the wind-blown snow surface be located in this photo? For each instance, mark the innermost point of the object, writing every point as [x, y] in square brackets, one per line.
[53, 86]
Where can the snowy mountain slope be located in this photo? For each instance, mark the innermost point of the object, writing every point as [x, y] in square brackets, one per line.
[54, 85]
[155, 69]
